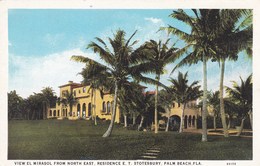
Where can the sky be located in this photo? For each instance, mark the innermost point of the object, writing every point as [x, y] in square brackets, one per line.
[42, 41]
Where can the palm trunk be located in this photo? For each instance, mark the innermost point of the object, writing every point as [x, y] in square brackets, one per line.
[125, 120]
[241, 127]
[229, 122]
[110, 128]
[251, 118]
[168, 120]
[204, 107]
[156, 105]
[94, 108]
[141, 123]
[182, 119]
[222, 109]
[134, 118]
[214, 122]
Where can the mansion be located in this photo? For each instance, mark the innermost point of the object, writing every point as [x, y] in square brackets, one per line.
[81, 109]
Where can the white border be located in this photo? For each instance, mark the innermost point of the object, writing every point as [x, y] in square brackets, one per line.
[126, 4]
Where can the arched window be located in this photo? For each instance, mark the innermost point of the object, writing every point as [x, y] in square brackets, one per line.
[50, 113]
[78, 110]
[54, 113]
[84, 110]
[58, 112]
[179, 104]
[89, 109]
[173, 105]
[189, 121]
[66, 112]
[63, 112]
[185, 121]
[108, 107]
[104, 107]
[193, 121]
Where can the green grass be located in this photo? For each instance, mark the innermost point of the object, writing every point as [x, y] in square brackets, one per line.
[53, 139]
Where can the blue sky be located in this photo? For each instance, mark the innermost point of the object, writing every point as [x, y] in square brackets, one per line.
[41, 43]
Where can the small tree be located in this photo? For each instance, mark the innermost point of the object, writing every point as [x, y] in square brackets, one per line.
[241, 95]
[166, 101]
[184, 92]
[213, 100]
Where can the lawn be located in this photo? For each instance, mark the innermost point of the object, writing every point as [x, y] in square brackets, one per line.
[64, 139]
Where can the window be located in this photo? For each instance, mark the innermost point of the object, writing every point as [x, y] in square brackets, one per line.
[54, 113]
[50, 112]
[104, 107]
[179, 104]
[173, 105]
[84, 110]
[78, 110]
[64, 92]
[84, 89]
[108, 107]
[58, 112]
[79, 91]
[74, 92]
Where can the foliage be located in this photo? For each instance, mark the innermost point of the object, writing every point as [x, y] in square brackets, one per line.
[241, 96]
[14, 105]
[33, 107]
[183, 92]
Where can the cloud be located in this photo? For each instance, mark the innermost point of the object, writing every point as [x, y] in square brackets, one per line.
[31, 74]
[153, 20]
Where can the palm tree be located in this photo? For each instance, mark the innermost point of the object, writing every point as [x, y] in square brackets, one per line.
[232, 38]
[213, 100]
[145, 101]
[93, 75]
[49, 99]
[242, 97]
[121, 64]
[166, 100]
[70, 100]
[184, 92]
[158, 55]
[200, 41]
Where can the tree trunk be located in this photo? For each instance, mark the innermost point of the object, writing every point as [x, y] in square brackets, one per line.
[204, 107]
[214, 122]
[125, 120]
[168, 120]
[94, 108]
[110, 128]
[182, 118]
[156, 105]
[141, 123]
[241, 127]
[134, 118]
[222, 109]
[251, 118]
[229, 122]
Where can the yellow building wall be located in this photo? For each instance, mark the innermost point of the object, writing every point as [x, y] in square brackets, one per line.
[191, 113]
[83, 96]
